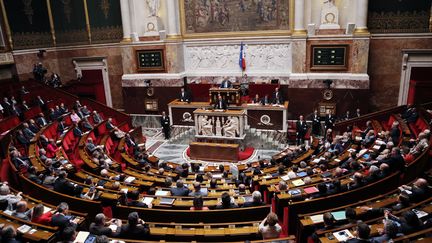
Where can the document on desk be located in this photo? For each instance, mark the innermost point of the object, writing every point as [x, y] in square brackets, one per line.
[317, 218]
[343, 235]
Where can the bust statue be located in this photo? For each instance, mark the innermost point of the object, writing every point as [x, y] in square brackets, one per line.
[329, 16]
[153, 6]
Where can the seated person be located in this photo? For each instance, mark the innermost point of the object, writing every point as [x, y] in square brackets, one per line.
[21, 211]
[220, 104]
[135, 200]
[135, 228]
[197, 190]
[180, 189]
[184, 96]
[256, 99]
[38, 215]
[198, 204]
[269, 227]
[256, 200]
[226, 202]
[101, 226]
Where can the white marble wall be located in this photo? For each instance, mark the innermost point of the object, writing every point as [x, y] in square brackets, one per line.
[222, 58]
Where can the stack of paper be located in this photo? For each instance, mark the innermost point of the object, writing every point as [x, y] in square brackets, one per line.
[317, 218]
[162, 193]
[298, 182]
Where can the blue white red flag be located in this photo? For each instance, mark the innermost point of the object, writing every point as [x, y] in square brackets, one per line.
[242, 58]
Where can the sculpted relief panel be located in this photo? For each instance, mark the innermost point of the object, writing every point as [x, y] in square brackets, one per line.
[203, 16]
[224, 59]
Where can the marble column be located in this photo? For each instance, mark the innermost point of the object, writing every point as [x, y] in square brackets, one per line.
[361, 17]
[132, 12]
[299, 26]
[124, 6]
[173, 18]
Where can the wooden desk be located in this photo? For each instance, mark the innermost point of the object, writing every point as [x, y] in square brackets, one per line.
[214, 151]
[230, 95]
[268, 117]
[181, 114]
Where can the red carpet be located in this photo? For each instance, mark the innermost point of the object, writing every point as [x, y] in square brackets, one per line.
[242, 155]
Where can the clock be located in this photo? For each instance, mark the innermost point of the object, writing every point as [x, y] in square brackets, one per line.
[327, 94]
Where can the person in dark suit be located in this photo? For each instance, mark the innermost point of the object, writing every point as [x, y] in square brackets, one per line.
[22, 139]
[100, 226]
[9, 234]
[6, 106]
[180, 189]
[347, 116]
[25, 107]
[301, 128]
[316, 124]
[136, 228]
[256, 99]
[33, 126]
[265, 100]
[166, 126]
[226, 202]
[135, 200]
[185, 96]
[109, 124]
[63, 185]
[27, 132]
[363, 234]
[256, 200]
[395, 133]
[60, 218]
[41, 121]
[40, 102]
[329, 121]
[226, 84]
[77, 131]
[220, 103]
[61, 127]
[277, 97]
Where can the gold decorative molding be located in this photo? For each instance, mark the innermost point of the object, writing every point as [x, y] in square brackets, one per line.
[299, 33]
[361, 31]
[51, 21]
[186, 35]
[174, 37]
[126, 40]
[87, 19]
[6, 21]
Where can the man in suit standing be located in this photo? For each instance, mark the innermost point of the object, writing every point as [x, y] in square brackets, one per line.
[277, 97]
[329, 121]
[316, 124]
[301, 128]
[165, 122]
[226, 83]
[185, 96]
[41, 103]
[220, 103]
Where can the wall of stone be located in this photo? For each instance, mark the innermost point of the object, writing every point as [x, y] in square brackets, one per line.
[385, 65]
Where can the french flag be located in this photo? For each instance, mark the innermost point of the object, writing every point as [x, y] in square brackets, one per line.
[242, 58]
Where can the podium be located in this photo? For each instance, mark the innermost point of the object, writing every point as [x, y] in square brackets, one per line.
[230, 95]
[220, 124]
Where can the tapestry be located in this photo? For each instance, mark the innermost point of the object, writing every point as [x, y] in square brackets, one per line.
[204, 16]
